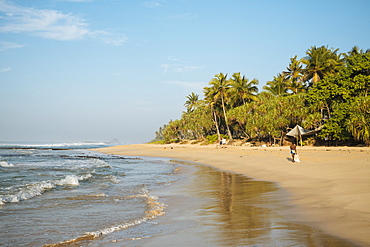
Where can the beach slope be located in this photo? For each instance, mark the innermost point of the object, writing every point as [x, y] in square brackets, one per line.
[329, 189]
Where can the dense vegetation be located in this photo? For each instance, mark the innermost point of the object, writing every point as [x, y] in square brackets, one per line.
[325, 90]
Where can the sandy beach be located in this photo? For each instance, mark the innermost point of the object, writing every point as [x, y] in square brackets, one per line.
[329, 189]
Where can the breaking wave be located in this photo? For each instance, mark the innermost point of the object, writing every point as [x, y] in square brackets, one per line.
[75, 145]
[5, 164]
[155, 209]
[36, 189]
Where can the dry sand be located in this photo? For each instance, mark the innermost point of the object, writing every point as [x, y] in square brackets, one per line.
[330, 187]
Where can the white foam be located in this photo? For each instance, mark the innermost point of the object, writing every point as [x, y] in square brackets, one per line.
[69, 180]
[29, 191]
[72, 180]
[5, 164]
[114, 179]
[53, 145]
[84, 177]
[37, 189]
[156, 209]
[101, 163]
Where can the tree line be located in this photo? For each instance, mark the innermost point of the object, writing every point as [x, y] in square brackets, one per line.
[326, 90]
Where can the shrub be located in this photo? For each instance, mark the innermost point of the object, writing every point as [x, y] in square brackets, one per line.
[214, 138]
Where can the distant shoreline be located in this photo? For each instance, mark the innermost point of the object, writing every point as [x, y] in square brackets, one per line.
[329, 188]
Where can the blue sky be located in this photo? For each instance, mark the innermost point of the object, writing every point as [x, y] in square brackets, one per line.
[94, 70]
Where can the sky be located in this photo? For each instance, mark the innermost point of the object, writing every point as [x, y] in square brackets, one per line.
[96, 70]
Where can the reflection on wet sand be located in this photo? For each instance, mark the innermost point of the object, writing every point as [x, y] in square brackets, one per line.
[244, 212]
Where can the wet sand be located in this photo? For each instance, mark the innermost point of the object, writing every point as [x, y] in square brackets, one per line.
[329, 190]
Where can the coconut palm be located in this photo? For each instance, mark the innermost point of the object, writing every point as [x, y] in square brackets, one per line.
[209, 100]
[242, 90]
[293, 75]
[219, 88]
[356, 50]
[320, 62]
[278, 86]
[192, 102]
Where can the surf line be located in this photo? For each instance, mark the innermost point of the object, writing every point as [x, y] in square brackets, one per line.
[155, 210]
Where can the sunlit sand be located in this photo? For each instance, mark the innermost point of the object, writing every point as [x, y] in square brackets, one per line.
[330, 187]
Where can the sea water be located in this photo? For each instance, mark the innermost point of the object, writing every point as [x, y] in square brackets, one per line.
[64, 194]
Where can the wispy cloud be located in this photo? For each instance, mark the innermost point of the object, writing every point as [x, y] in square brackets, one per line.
[76, 1]
[183, 69]
[197, 86]
[173, 59]
[5, 69]
[185, 16]
[176, 65]
[153, 4]
[4, 46]
[50, 24]
[109, 38]
[165, 67]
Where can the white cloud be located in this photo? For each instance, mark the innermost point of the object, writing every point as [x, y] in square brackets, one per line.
[50, 24]
[152, 4]
[109, 38]
[178, 68]
[186, 69]
[185, 16]
[9, 45]
[173, 59]
[197, 86]
[177, 65]
[165, 67]
[76, 1]
[5, 69]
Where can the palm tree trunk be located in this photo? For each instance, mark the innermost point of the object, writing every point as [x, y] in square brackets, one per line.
[226, 122]
[216, 123]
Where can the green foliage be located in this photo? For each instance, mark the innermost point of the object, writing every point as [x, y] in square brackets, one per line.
[214, 138]
[344, 95]
[358, 122]
[325, 90]
[158, 142]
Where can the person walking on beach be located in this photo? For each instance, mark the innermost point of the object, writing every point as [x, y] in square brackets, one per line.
[293, 151]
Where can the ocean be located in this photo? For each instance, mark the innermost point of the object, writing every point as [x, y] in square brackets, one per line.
[66, 195]
[63, 193]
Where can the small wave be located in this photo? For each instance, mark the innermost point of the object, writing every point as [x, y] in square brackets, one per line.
[113, 179]
[5, 164]
[99, 195]
[101, 163]
[74, 145]
[36, 189]
[69, 180]
[155, 210]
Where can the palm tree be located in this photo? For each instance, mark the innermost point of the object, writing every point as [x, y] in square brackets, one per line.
[278, 86]
[242, 89]
[356, 50]
[320, 62]
[293, 75]
[192, 102]
[220, 85]
[209, 99]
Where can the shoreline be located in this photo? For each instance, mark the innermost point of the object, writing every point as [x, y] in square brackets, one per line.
[329, 189]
